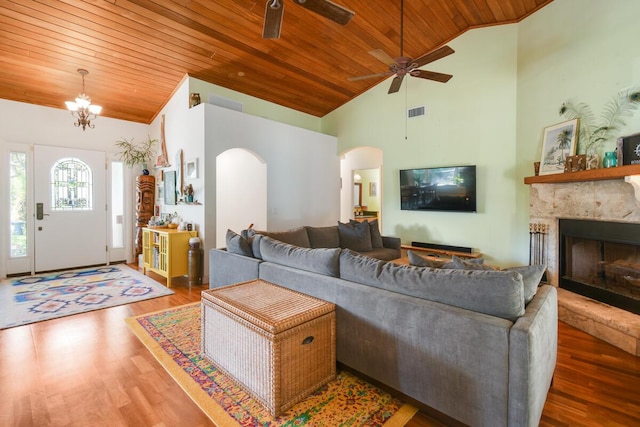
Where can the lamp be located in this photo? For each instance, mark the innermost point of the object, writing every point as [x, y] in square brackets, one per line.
[82, 109]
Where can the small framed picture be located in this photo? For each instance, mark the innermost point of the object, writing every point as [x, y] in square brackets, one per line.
[373, 189]
[191, 169]
[170, 188]
[558, 142]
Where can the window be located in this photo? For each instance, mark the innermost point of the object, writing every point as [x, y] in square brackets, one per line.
[18, 203]
[71, 186]
[117, 205]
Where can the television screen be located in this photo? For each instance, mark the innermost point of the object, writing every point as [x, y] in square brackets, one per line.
[451, 188]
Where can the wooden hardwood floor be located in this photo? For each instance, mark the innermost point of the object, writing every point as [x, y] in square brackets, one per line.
[90, 370]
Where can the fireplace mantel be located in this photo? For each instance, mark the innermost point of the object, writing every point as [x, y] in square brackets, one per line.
[619, 172]
[630, 174]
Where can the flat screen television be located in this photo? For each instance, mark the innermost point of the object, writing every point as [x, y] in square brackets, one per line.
[451, 188]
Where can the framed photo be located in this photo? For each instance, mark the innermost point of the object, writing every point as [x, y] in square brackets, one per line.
[373, 189]
[558, 142]
[191, 169]
[629, 150]
[170, 188]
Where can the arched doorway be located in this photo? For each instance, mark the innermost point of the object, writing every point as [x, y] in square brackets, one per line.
[362, 166]
[241, 192]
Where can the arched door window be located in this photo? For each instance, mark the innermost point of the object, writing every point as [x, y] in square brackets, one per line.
[71, 186]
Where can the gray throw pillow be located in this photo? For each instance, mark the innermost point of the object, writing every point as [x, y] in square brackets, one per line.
[374, 229]
[355, 236]
[236, 244]
[296, 236]
[322, 260]
[420, 261]
[531, 276]
[458, 263]
[324, 237]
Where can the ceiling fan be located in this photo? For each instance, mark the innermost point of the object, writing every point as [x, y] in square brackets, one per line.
[404, 65]
[275, 10]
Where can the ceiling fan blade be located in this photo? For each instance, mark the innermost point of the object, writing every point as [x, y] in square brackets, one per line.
[368, 76]
[431, 75]
[382, 56]
[328, 9]
[433, 56]
[395, 84]
[273, 19]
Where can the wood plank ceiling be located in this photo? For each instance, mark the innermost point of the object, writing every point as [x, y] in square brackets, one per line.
[137, 51]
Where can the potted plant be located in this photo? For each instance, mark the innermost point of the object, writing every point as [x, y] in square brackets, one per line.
[592, 135]
[140, 153]
[136, 153]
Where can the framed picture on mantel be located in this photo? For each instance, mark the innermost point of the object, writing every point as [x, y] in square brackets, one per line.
[558, 142]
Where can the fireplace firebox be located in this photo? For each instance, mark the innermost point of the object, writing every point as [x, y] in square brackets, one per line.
[601, 260]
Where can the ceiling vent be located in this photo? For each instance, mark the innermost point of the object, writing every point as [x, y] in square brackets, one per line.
[225, 103]
[416, 112]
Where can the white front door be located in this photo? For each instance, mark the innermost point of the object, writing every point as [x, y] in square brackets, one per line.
[70, 208]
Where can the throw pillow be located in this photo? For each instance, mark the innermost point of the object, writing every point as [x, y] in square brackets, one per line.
[355, 236]
[236, 244]
[324, 237]
[457, 263]
[420, 261]
[374, 229]
[296, 236]
[322, 260]
[531, 276]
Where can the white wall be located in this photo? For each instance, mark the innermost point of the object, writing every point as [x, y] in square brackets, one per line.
[26, 124]
[303, 174]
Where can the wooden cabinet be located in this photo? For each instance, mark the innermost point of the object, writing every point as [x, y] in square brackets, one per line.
[165, 252]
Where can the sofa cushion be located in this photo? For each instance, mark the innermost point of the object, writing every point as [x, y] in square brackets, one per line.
[321, 260]
[296, 236]
[420, 261]
[531, 276]
[497, 293]
[324, 237]
[355, 236]
[237, 244]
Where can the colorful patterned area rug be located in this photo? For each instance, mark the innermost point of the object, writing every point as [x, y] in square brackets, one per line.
[31, 299]
[173, 337]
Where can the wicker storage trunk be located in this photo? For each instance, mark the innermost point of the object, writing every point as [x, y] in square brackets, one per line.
[278, 344]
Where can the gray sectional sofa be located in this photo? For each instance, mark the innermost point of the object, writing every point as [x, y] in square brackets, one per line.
[478, 346]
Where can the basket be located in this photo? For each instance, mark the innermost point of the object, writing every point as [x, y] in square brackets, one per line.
[277, 344]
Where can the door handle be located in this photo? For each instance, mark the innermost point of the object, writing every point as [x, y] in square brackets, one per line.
[40, 211]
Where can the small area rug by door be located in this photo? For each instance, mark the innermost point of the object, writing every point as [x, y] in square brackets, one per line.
[31, 299]
[173, 337]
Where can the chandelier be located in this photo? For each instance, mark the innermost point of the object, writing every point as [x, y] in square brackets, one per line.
[82, 109]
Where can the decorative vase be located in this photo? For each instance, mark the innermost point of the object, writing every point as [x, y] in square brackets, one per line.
[194, 99]
[610, 160]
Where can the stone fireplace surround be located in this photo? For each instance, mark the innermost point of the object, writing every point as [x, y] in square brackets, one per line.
[598, 195]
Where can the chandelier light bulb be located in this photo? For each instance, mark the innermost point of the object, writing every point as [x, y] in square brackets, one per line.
[82, 109]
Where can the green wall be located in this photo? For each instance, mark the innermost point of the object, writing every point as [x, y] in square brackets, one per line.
[255, 106]
[469, 121]
[586, 50]
[508, 84]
